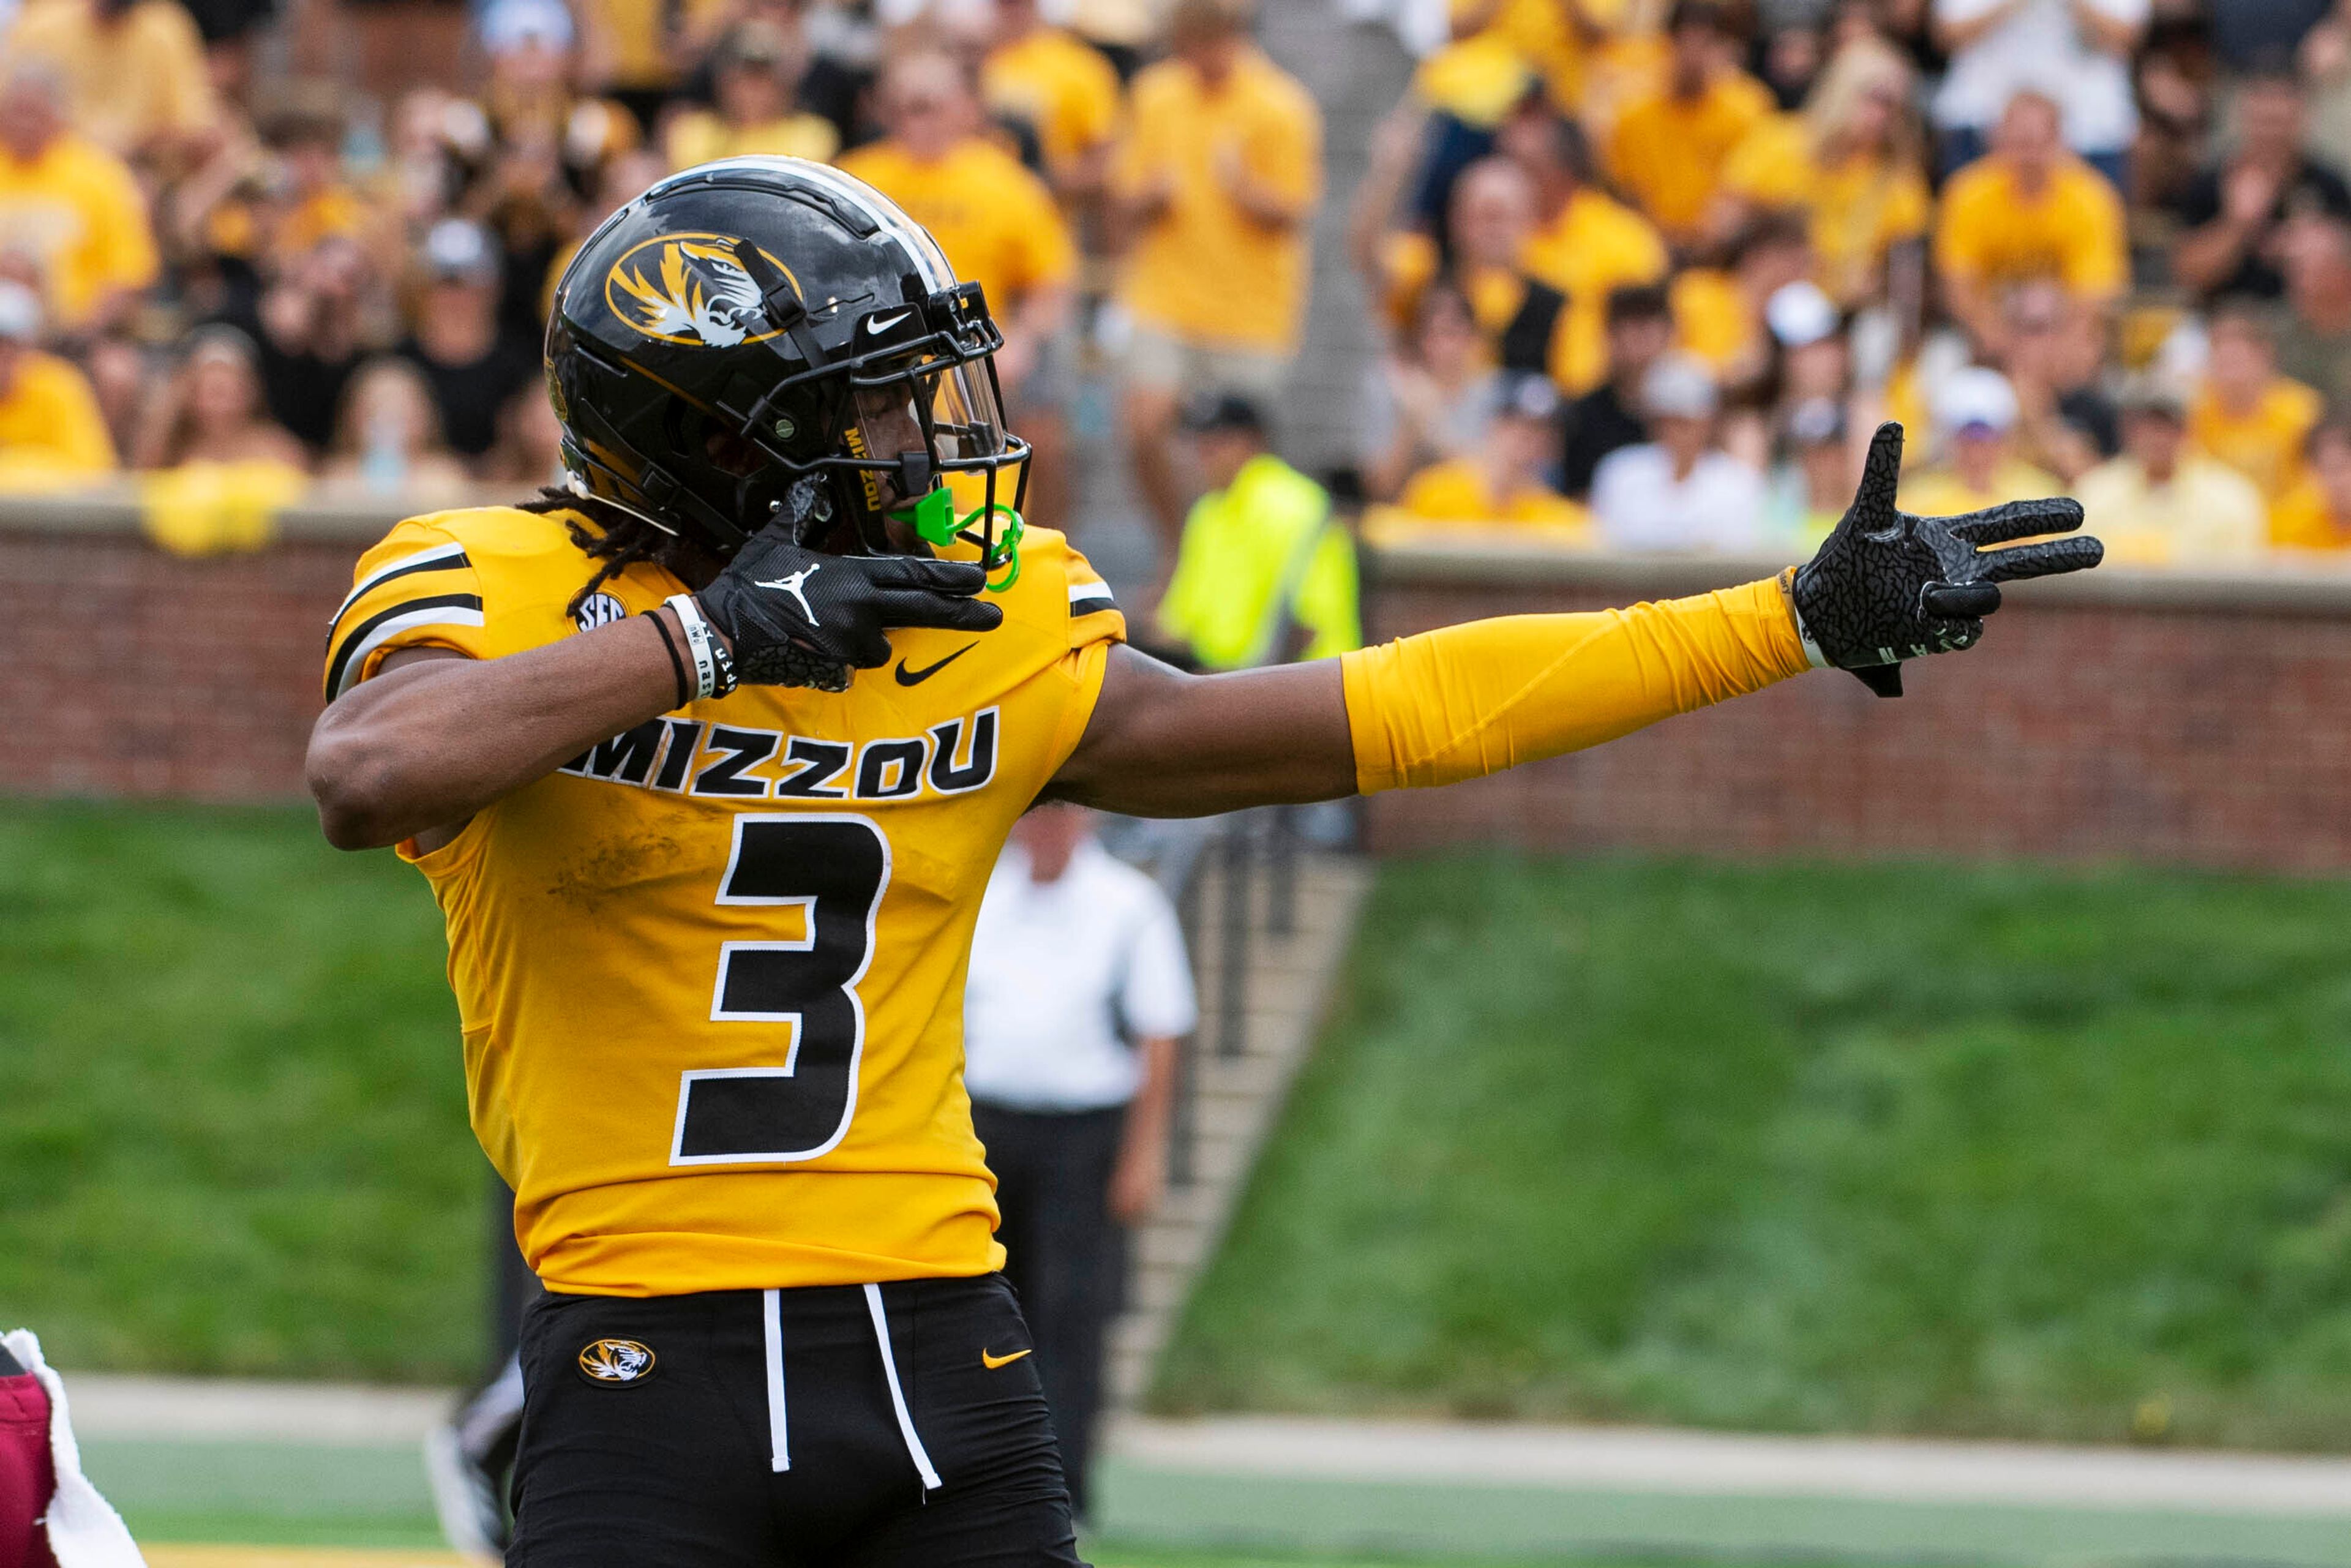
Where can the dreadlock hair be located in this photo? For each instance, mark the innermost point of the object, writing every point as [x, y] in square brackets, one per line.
[619, 539]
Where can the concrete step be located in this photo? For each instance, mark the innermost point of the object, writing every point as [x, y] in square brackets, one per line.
[1171, 1246]
[1249, 1077]
[1235, 1098]
[1158, 1288]
[1138, 1333]
[1228, 1116]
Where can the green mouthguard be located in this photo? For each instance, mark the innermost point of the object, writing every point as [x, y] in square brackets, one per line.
[934, 520]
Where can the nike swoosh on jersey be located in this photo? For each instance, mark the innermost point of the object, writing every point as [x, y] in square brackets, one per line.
[993, 1362]
[907, 677]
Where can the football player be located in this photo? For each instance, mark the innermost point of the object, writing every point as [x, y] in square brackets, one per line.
[707, 760]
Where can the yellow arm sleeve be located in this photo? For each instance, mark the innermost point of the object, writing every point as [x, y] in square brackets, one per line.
[1470, 700]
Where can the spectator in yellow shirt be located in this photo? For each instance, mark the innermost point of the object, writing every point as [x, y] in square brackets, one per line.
[134, 69]
[265, 207]
[70, 207]
[1585, 243]
[2245, 414]
[51, 432]
[1853, 163]
[753, 74]
[999, 225]
[1718, 315]
[2029, 209]
[1668, 150]
[1554, 38]
[1976, 410]
[1215, 183]
[2161, 503]
[1504, 484]
[1063, 88]
[2316, 513]
[318, 203]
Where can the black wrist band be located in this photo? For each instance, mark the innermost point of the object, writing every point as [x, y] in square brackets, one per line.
[669, 646]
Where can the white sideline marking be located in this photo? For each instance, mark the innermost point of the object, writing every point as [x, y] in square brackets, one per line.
[1649, 1460]
[1574, 1459]
[107, 1405]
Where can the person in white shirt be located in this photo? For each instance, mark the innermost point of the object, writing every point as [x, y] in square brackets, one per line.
[1079, 991]
[2074, 52]
[1679, 490]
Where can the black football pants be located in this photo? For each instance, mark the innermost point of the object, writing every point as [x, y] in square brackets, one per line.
[894, 1426]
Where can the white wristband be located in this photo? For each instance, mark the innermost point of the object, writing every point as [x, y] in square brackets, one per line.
[1813, 655]
[699, 645]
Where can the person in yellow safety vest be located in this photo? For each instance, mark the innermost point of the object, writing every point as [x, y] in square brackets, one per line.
[1265, 572]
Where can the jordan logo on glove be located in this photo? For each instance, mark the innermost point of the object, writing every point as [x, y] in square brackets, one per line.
[792, 585]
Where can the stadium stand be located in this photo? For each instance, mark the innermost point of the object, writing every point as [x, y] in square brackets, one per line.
[2075, 197]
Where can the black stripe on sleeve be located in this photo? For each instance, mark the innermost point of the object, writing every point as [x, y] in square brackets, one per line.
[446, 564]
[357, 634]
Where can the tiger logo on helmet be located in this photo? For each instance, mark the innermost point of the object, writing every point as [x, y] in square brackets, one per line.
[689, 288]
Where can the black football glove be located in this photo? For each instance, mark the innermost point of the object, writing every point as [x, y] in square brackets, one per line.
[798, 617]
[1888, 586]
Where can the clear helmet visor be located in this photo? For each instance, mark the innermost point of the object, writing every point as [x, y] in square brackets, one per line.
[948, 414]
[967, 485]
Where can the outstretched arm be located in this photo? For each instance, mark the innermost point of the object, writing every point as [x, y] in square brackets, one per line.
[1470, 700]
[1433, 709]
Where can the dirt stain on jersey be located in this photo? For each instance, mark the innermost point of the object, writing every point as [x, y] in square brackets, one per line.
[601, 869]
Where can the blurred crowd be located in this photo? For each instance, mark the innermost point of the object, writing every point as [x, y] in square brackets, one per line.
[1651, 274]
[1645, 273]
[247, 284]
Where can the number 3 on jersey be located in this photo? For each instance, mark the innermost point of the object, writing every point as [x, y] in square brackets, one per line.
[834, 868]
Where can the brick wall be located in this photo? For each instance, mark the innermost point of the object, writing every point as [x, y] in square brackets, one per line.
[2146, 718]
[124, 671]
[2142, 719]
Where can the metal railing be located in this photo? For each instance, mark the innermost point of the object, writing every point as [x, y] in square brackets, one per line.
[1255, 858]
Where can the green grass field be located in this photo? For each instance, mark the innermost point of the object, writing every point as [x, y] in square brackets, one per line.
[1890, 1149]
[234, 1137]
[1862, 1148]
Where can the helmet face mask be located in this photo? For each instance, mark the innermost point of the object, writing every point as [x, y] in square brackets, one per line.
[918, 415]
[751, 325]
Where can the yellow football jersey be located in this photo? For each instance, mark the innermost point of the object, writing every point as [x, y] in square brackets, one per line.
[710, 973]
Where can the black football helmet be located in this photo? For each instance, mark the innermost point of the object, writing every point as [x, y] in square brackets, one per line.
[758, 338]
